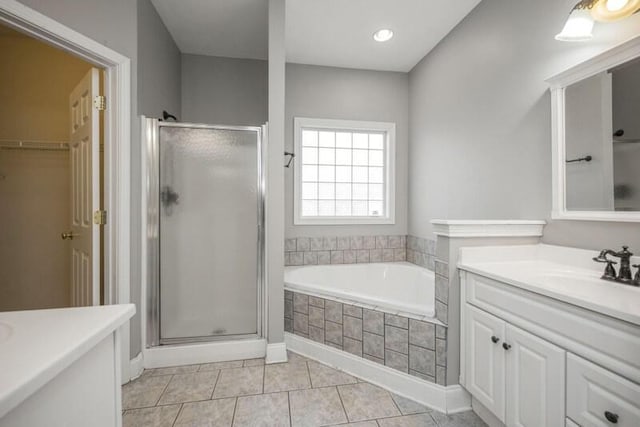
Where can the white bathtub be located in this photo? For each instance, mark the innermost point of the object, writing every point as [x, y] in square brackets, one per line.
[398, 287]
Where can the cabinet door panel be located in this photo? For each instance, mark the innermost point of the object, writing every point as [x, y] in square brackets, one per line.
[485, 360]
[593, 394]
[534, 381]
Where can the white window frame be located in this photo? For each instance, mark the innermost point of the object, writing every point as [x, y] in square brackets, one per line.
[388, 128]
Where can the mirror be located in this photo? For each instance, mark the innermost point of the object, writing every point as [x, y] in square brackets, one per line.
[597, 137]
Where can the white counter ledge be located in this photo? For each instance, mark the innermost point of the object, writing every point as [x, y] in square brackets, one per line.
[565, 274]
[38, 345]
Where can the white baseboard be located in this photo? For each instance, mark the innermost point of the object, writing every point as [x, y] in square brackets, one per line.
[191, 354]
[449, 399]
[276, 353]
[136, 366]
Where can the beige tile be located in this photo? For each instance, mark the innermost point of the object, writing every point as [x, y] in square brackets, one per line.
[408, 406]
[316, 407]
[324, 376]
[239, 382]
[295, 357]
[144, 391]
[159, 416]
[361, 424]
[420, 420]
[461, 419]
[221, 365]
[365, 401]
[254, 362]
[175, 370]
[210, 413]
[265, 410]
[286, 376]
[189, 387]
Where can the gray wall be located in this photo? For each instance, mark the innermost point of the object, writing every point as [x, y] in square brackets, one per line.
[159, 65]
[274, 215]
[224, 90]
[480, 138]
[113, 24]
[116, 24]
[338, 93]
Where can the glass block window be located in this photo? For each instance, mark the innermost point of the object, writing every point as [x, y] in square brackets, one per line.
[344, 172]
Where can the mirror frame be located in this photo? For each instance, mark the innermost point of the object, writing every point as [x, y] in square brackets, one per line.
[611, 58]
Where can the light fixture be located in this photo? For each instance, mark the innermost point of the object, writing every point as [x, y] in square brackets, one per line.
[579, 24]
[383, 35]
[612, 10]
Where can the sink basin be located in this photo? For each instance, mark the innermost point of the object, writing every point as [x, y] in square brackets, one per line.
[5, 332]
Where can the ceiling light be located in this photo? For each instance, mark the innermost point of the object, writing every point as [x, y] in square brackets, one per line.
[383, 35]
[612, 10]
[579, 24]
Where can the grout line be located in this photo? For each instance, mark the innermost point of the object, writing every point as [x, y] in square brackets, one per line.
[175, 420]
[215, 384]
[342, 404]
[235, 408]
[163, 391]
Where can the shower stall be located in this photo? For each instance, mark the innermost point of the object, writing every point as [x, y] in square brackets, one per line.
[204, 233]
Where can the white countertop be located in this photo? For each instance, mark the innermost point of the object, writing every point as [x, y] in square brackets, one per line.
[564, 274]
[36, 345]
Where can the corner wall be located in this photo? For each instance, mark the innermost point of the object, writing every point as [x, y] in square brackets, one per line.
[340, 93]
[480, 124]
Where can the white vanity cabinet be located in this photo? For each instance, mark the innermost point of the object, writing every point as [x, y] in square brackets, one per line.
[535, 361]
[516, 375]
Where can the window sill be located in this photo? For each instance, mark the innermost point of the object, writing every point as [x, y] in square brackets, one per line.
[344, 221]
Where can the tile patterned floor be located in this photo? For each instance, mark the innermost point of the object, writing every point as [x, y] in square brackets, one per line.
[301, 392]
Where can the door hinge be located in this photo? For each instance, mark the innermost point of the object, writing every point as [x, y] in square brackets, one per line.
[100, 103]
[100, 217]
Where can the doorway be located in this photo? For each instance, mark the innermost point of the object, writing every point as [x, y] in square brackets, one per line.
[45, 148]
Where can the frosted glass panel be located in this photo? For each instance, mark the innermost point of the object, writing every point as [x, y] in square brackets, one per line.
[208, 232]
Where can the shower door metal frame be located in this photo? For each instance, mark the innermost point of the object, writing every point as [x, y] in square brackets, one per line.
[151, 134]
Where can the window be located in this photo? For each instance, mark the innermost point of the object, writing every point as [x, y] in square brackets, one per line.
[344, 172]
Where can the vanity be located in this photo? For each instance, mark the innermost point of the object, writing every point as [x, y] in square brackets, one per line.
[545, 341]
[61, 367]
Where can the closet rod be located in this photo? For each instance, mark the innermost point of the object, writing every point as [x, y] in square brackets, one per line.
[14, 144]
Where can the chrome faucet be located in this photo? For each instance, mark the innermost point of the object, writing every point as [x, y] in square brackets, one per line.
[624, 274]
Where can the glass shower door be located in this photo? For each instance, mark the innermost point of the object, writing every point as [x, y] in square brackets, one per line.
[210, 216]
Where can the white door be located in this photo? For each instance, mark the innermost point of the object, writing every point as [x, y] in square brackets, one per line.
[83, 236]
[485, 368]
[535, 381]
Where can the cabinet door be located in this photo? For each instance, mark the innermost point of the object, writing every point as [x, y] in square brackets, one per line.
[535, 381]
[485, 366]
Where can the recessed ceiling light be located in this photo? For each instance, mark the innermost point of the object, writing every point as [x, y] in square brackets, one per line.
[383, 35]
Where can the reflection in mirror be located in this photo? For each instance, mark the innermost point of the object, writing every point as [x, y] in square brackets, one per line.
[603, 141]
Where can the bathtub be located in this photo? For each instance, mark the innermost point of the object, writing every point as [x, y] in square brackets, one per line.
[397, 288]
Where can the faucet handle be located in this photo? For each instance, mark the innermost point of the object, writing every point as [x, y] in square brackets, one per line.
[636, 278]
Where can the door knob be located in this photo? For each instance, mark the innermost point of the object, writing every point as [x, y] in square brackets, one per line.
[506, 346]
[495, 339]
[69, 235]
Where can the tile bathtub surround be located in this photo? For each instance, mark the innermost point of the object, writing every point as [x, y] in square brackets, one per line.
[408, 345]
[345, 250]
[301, 392]
[421, 252]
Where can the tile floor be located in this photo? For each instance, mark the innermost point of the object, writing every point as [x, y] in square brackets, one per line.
[301, 392]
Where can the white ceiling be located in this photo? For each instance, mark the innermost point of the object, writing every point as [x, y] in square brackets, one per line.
[340, 32]
[321, 32]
